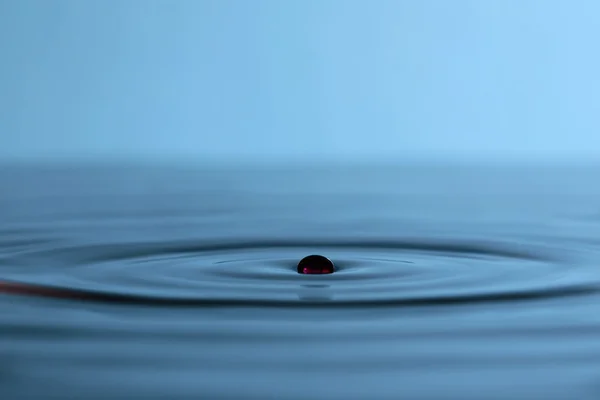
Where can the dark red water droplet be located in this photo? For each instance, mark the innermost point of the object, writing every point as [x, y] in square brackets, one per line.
[315, 264]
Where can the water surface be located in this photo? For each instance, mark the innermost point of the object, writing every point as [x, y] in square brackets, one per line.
[155, 282]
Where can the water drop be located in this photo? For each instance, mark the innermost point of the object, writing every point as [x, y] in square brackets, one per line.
[315, 264]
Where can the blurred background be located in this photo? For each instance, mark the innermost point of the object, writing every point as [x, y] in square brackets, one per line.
[269, 80]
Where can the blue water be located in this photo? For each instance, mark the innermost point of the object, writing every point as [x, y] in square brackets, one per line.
[127, 281]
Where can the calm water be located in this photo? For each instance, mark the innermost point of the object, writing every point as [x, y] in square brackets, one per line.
[181, 283]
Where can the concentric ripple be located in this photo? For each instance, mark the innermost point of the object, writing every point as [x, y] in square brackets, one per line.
[263, 273]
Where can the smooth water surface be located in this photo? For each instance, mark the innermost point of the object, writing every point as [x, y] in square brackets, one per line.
[154, 282]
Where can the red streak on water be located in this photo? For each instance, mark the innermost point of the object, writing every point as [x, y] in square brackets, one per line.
[25, 289]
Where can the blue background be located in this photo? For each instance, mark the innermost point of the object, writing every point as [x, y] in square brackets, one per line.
[260, 80]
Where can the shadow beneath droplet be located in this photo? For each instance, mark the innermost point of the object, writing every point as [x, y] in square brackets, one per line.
[315, 293]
